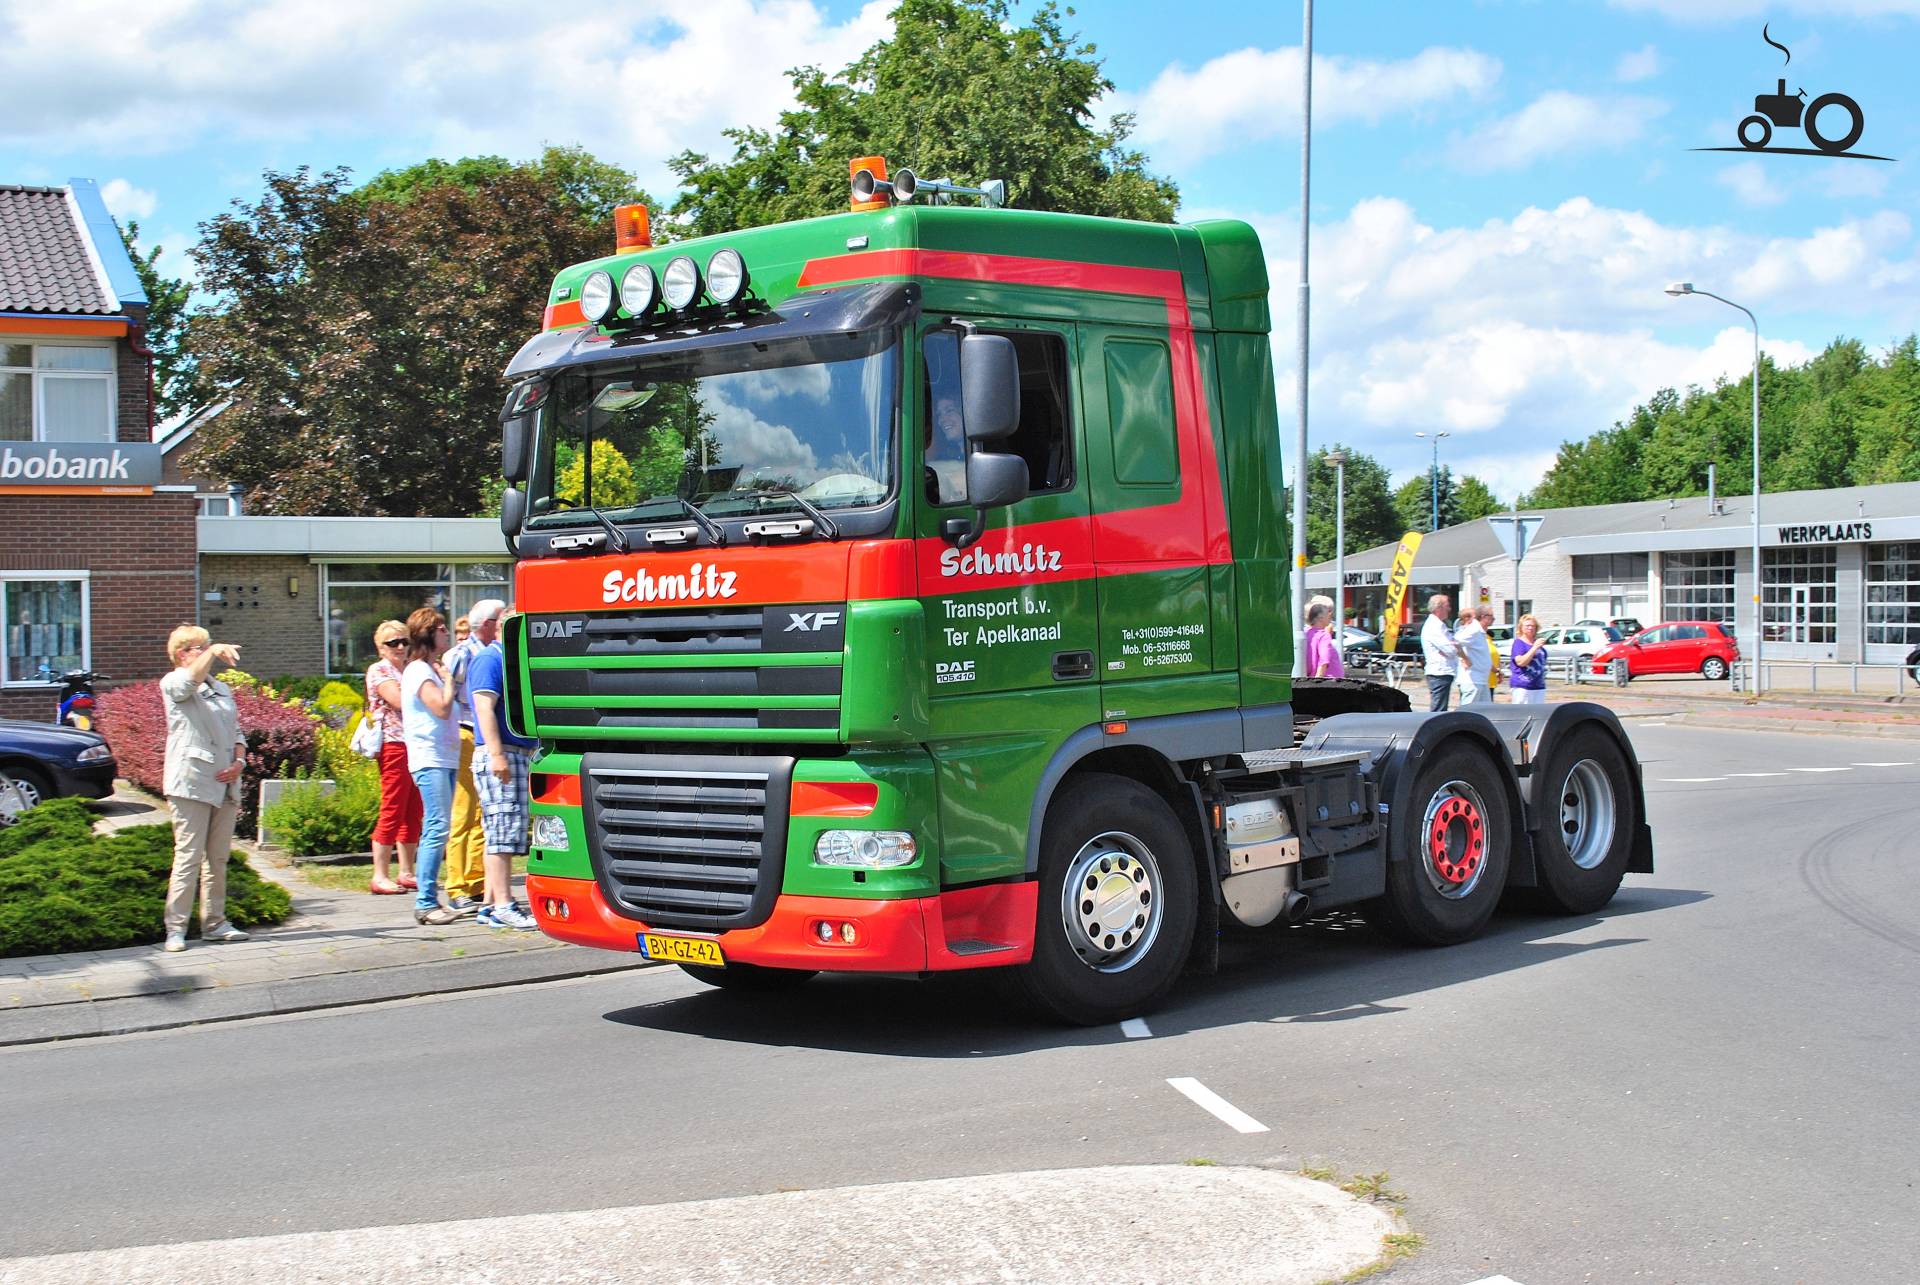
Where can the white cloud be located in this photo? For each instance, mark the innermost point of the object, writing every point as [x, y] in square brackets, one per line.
[1555, 122]
[449, 75]
[766, 450]
[1748, 181]
[125, 201]
[1521, 332]
[1254, 94]
[1641, 64]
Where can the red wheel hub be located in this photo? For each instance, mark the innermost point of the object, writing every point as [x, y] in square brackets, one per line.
[1457, 840]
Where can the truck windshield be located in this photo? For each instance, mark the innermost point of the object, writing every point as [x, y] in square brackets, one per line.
[633, 439]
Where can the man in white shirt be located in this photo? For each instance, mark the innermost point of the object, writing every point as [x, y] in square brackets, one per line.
[1440, 654]
[1476, 657]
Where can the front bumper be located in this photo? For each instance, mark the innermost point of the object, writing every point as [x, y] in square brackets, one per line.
[86, 780]
[980, 927]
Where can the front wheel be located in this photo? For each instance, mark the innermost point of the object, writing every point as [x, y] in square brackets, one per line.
[1117, 903]
[33, 790]
[1754, 143]
[1450, 853]
[749, 977]
[1584, 801]
[1713, 668]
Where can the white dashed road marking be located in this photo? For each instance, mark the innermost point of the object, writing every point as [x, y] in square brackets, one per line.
[1218, 1107]
[1135, 1028]
[1689, 780]
[1494, 1280]
[1907, 763]
[1819, 769]
[1756, 774]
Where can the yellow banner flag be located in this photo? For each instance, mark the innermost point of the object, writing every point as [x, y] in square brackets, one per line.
[1397, 588]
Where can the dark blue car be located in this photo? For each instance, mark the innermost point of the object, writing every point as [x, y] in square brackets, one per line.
[46, 761]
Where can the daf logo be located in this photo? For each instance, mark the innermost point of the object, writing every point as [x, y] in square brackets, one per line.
[555, 628]
[811, 621]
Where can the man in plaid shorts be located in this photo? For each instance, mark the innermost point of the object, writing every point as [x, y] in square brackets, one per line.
[500, 778]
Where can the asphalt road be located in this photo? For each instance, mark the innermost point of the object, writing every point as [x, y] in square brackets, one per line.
[1712, 1080]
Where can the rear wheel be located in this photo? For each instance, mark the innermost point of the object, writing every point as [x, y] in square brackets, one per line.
[1451, 852]
[1584, 802]
[1116, 904]
[1856, 123]
[749, 977]
[1713, 668]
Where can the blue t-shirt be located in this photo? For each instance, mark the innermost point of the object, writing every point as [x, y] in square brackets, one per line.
[486, 672]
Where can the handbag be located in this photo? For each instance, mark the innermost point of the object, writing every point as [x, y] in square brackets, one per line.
[369, 737]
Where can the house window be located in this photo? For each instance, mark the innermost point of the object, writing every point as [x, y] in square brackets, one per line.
[220, 504]
[56, 393]
[359, 595]
[45, 632]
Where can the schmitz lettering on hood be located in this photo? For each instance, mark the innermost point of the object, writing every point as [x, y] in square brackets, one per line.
[1027, 560]
[697, 582]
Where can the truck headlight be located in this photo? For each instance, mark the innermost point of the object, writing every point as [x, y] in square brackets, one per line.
[681, 283]
[639, 291]
[726, 276]
[596, 296]
[866, 849]
[94, 754]
[550, 832]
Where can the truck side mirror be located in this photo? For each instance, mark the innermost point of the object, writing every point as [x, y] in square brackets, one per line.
[989, 387]
[516, 427]
[993, 482]
[513, 514]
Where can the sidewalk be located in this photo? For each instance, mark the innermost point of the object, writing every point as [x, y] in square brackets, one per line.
[335, 948]
[1699, 703]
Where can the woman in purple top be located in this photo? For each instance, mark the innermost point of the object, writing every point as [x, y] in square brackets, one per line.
[1529, 658]
[1323, 656]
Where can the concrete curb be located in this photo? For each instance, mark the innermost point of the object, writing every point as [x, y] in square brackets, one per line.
[44, 1023]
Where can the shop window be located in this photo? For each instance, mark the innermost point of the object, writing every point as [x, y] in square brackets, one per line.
[358, 596]
[56, 393]
[1893, 594]
[45, 632]
[1799, 598]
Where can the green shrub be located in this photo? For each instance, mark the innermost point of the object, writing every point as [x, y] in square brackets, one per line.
[310, 823]
[338, 703]
[333, 756]
[306, 687]
[64, 888]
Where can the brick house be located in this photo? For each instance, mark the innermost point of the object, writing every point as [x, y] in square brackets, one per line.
[98, 560]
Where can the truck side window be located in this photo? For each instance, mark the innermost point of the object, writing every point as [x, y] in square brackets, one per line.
[1140, 412]
[1044, 437]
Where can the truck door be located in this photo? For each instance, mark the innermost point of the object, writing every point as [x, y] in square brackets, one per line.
[1014, 611]
[1149, 530]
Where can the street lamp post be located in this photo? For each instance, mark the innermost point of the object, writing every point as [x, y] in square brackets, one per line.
[1678, 289]
[1434, 474]
[1297, 582]
[1339, 461]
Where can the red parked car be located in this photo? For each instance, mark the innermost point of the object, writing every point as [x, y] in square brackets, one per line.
[1703, 647]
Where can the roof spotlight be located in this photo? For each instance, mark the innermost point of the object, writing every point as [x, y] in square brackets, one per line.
[680, 283]
[726, 276]
[596, 297]
[639, 290]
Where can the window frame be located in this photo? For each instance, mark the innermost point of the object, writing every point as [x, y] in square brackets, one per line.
[8, 578]
[1067, 388]
[38, 375]
[330, 580]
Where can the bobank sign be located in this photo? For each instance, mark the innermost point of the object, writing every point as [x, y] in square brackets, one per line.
[79, 464]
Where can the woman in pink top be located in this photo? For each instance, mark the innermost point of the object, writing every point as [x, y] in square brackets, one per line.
[398, 825]
[1323, 655]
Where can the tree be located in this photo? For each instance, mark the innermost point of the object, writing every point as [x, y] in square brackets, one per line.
[613, 480]
[361, 335]
[958, 90]
[167, 298]
[1371, 518]
[1414, 501]
[1473, 499]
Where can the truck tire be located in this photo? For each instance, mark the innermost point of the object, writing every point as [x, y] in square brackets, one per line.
[1584, 801]
[749, 977]
[1453, 847]
[1116, 903]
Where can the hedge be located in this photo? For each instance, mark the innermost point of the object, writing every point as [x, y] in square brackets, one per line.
[65, 888]
[280, 739]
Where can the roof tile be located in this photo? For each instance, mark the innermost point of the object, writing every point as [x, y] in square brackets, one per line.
[44, 263]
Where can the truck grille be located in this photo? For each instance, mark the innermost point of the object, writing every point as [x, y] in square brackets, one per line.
[771, 671]
[686, 842]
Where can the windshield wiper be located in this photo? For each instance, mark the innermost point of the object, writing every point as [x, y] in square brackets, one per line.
[714, 531]
[820, 520]
[616, 538]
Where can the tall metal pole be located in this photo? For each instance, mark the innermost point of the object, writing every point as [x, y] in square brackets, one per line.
[1521, 550]
[1298, 579]
[1340, 545]
[1433, 476]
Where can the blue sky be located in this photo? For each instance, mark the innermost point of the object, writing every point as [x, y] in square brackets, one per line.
[1500, 188]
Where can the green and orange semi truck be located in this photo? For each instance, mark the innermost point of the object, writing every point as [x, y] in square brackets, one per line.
[906, 590]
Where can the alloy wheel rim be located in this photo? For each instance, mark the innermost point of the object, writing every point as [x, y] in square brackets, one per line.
[1453, 840]
[1586, 814]
[1110, 903]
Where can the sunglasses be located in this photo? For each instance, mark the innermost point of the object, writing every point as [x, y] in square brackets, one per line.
[393, 642]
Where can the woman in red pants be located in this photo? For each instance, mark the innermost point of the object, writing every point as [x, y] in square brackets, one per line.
[398, 826]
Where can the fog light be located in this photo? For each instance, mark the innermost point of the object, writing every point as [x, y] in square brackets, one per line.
[550, 832]
[824, 931]
[555, 908]
[867, 849]
[596, 296]
[848, 933]
[681, 283]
